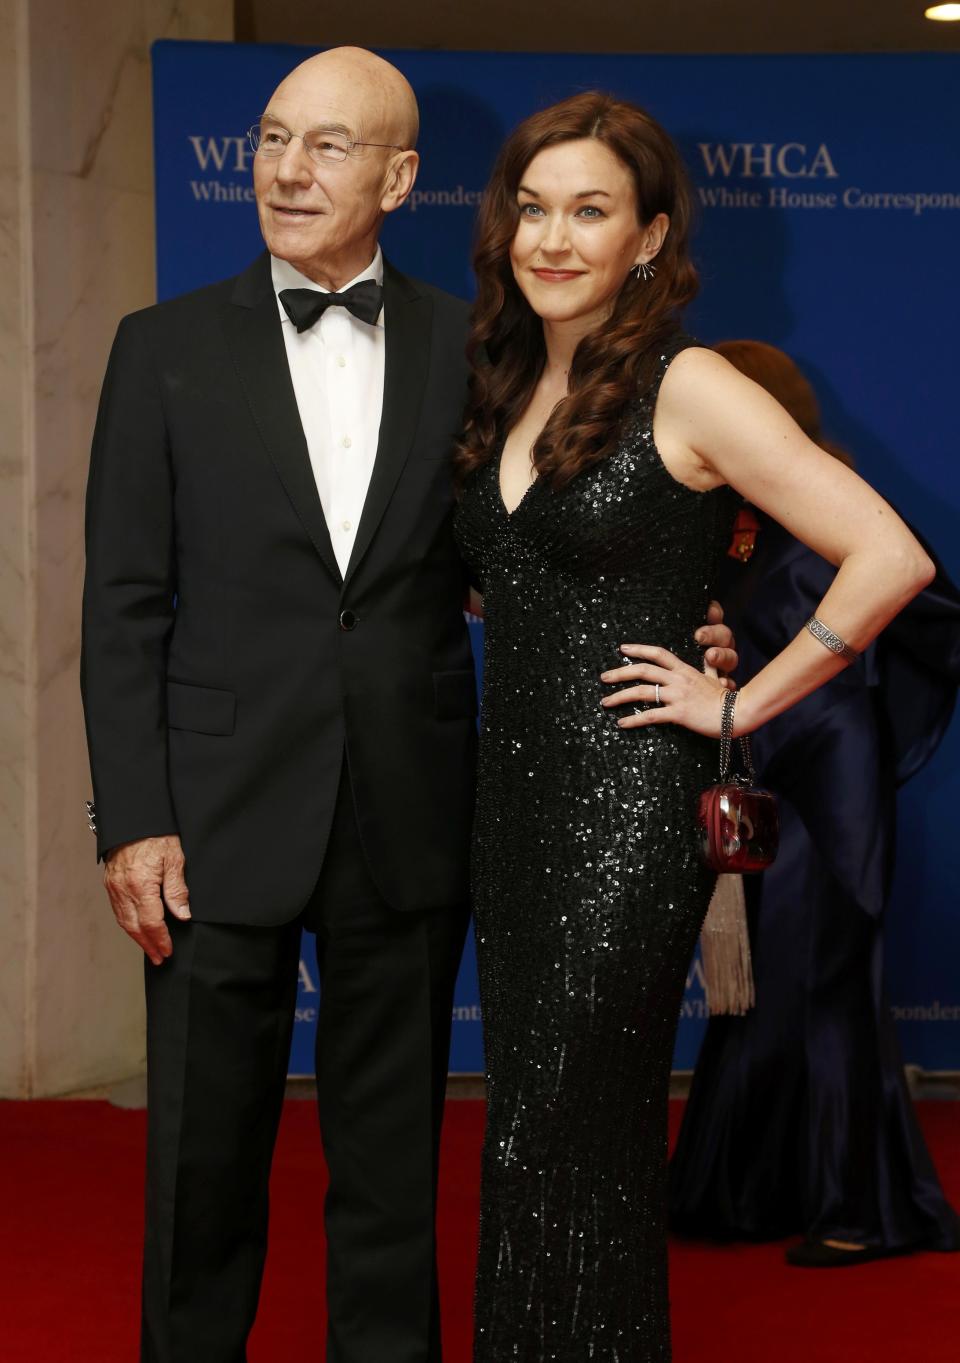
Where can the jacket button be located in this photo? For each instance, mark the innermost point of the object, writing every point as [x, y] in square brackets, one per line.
[349, 620]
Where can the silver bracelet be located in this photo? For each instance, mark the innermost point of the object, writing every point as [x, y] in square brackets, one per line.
[727, 707]
[830, 640]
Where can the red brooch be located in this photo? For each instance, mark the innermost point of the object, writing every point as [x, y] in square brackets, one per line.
[744, 540]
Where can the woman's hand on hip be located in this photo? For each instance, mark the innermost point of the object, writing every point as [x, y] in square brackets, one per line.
[676, 692]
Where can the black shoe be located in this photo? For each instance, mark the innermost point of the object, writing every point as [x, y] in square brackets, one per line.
[818, 1254]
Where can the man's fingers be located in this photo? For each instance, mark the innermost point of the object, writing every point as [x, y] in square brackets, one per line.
[153, 942]
[140, 913]
[154, 951]
[714, 636]
[175, 894]
[153, 934]
[718, 641]
[156, 943]
[723, 659]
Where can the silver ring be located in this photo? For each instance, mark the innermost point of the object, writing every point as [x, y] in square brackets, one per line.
[656, 690]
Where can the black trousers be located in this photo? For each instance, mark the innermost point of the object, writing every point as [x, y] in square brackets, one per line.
[219, 1022]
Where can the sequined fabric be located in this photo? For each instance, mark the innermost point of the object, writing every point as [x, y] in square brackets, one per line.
[589, 894]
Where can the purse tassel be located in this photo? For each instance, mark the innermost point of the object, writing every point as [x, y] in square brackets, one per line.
[725, 950]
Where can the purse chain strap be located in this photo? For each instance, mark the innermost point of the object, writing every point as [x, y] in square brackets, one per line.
[726, 740]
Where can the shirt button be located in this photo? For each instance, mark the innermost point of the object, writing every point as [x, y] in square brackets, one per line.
[341, 361]
[346, 525]
[346, 442]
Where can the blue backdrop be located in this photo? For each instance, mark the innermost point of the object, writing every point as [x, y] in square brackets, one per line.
[828, 226]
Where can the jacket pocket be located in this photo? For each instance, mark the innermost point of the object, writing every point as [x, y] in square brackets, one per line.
[455, 694]
[203, 709]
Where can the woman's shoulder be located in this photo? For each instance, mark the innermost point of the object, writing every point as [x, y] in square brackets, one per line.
[674, 366]
[681, 351]
[691, 373]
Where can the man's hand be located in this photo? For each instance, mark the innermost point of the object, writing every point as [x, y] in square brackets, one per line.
[140, 878]
[721, 647]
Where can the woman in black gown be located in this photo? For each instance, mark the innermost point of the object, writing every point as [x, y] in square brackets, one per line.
[799, 1117]
[597, 454]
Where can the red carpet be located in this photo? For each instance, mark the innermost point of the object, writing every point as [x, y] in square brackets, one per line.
[70, 1255]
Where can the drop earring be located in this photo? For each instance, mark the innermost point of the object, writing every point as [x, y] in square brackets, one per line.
[645, 270]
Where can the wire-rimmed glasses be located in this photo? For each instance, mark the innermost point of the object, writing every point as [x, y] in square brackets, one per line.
[320, 144]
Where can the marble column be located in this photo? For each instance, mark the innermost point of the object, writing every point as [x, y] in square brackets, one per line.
[77, 252]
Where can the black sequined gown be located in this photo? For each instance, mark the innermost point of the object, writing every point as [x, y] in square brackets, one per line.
[589, 894]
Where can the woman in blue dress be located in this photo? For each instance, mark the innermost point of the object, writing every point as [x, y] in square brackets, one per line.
[799, 1118]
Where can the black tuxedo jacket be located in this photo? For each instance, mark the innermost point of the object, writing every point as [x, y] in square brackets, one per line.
[226, 664]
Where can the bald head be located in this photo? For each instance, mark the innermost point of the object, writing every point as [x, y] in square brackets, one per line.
[377, 97]
[322, 212]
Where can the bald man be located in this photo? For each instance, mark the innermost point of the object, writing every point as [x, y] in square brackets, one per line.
[280, 706]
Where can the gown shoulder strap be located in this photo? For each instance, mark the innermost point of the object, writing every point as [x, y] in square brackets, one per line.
[668, 350]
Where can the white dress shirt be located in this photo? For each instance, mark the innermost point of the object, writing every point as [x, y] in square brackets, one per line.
[337, 372]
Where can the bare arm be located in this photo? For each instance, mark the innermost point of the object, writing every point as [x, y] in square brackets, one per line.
[716, 426]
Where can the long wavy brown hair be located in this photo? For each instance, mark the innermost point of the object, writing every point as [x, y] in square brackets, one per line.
[612, 366]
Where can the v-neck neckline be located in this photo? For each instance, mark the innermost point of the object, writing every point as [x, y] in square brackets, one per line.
[499, 488]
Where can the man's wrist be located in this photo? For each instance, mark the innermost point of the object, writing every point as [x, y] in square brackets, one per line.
[107, 853]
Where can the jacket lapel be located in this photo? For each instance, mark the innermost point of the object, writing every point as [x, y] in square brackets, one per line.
[255, 339]
[408, 316]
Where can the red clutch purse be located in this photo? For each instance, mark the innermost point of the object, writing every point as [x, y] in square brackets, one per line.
[739, 824]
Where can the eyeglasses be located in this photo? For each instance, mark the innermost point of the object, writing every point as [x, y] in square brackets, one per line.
[272, 139]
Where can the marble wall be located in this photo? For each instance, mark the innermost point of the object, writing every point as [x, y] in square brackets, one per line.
[77, 252]
[15, 721]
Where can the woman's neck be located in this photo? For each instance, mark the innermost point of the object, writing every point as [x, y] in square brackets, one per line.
[561, 340]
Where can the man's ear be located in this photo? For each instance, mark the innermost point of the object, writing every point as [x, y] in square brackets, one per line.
[401, 176]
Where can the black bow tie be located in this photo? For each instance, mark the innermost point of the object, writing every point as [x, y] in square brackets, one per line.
[304, 306]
